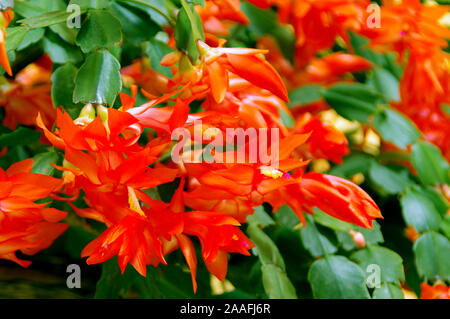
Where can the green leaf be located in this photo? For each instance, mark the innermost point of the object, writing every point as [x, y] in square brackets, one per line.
[160, 11]
[63, 86]
[354, 101]
[432, 251]
[360, 45]
[419, 211]
[287, 119]
[32, 10]
[265, 22]
[446, 108]
[336, 277]
[386, 84]
[155, 51]
[27, 9]
[276, 283]
[112, 283]
[14, 37]
[94, 4]
[169, 281]
[304, 95]
[396, 128]
[134, 20]
[101, 30]
[427, 159]
[48, 19]
[42, 163]
[328, 221]
[352, 164]
[390, 263]
[32, 36]
[188, 31]
[260, 218]
[98, 80]
[371, 236]
[388, 290]
[285, 216]
[445, 226]
[266, 249]
[436, 198]
[61, 51]
[390, 179]
[317, 242]
[20, 136]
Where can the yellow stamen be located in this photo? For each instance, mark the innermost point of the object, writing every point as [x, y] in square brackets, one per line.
[133, 201]
[271, 172]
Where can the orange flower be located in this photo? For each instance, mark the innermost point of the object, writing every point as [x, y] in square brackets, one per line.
[227, 10]
[438, 291]
[109, 170]
[147, 233]
[235, 188]
[88, 132]
[139, 72]
[28, 95]
[25, 225]
[338, 198]
[255, 107]
[317, 23]
[330, 67]
[413, 27]
[211, 76]
[5, 19]
[217, 15]
[325, 140]
[409, 25]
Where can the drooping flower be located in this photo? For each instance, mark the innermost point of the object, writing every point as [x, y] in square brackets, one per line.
[339, 198]
[212, 74]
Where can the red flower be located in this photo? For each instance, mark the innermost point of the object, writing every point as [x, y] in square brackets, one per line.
[119, 131]
[25, 225]
[438, 291]
[328, 68]
[31, 87]
[147, 233]
[212, 75]
[339, 198]
[325, 141]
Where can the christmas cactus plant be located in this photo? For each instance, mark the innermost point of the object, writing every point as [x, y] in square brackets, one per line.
[225, 148]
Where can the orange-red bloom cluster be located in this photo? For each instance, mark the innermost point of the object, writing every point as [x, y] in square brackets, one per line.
[237, 88]
[25, 225]
[413, 29]
[30, 88]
